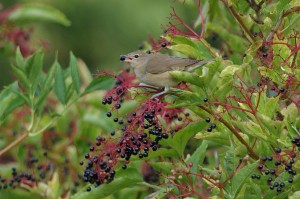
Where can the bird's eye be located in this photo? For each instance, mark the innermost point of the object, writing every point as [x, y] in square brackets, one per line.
[136, 56]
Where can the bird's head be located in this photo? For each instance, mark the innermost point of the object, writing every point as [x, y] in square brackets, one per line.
[136, 58]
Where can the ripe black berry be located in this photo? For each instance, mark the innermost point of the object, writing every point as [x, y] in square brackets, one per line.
[290, 180]
[278, 150]
[270, 179]
[253, 176]
[260, 166]
[267, 172]
[279, 189]
[272, 171]
[118, 106]
[108, 114]
[207, 119]
[116, 119]
[124, 166]
[265, 54]
[209, 129]
[205, 100]
[163, 44]
[270, 158]
[88, 189]
[213, 125]
[282, 184]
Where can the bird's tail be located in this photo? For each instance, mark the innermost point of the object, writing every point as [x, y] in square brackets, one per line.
[199, 64]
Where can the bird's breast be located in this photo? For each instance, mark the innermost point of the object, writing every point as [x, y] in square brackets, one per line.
[159, 80]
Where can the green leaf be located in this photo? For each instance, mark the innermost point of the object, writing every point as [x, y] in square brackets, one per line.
[186, 50]
[230, 160]
[181, 138]
[198, 156]
[164, 167]
[100, 83]
[75, 73]
[250, 191]
[9, 100]
[47, 86]
[295, 195]
[29, 13]
[54, 185]
[187, 77]
[33, 68]
[124, 179]
[19, 58]
[59, 86]
[184, 40]
[238, 180]
[22, 78]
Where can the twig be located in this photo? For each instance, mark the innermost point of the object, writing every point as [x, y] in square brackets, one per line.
[281, 16]
[238, 18]
[14, 143]
[235, 132]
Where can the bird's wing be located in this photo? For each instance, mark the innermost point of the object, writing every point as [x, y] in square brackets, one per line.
[160, 63]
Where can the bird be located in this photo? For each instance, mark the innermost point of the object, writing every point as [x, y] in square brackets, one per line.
[152, 69]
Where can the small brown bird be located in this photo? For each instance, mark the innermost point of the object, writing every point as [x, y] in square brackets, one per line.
[153, 68]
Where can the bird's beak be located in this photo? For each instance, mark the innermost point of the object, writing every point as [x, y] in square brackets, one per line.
[124, 58]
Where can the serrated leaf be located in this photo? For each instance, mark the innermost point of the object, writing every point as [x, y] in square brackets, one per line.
[100, 83]
[9, 100]
[75, 72]
[183, 40]
[186, 50]
[230, 160]
[187, 77]
[164, 167]
[29, 13]
[239, 179]
[19, 58]
[47, 86]
[54, 185]
[59, 86]
[36, 69]
[22, 77]
[181, 138]
[250, 191]
[198, 156]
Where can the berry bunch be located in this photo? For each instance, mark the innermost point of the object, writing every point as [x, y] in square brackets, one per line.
[279, 169]
[39, 171]
[140, 132]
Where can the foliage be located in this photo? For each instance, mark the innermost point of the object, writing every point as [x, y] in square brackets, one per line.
[229, 130]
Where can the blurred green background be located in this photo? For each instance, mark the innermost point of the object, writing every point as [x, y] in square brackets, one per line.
[101, 30]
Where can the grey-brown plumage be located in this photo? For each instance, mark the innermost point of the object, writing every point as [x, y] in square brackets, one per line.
[153, 69]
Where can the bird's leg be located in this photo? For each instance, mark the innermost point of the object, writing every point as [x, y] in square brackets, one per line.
[161, 93]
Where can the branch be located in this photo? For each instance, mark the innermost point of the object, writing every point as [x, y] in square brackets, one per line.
[235, 132]
[14, 143]
[281, 16]
[239, 19]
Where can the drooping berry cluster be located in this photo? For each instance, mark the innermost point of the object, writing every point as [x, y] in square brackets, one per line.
[139, 133]
[282, 162]
[39, 171]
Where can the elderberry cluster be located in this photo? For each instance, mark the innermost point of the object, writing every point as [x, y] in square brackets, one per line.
[272, 168]
[26, 178]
